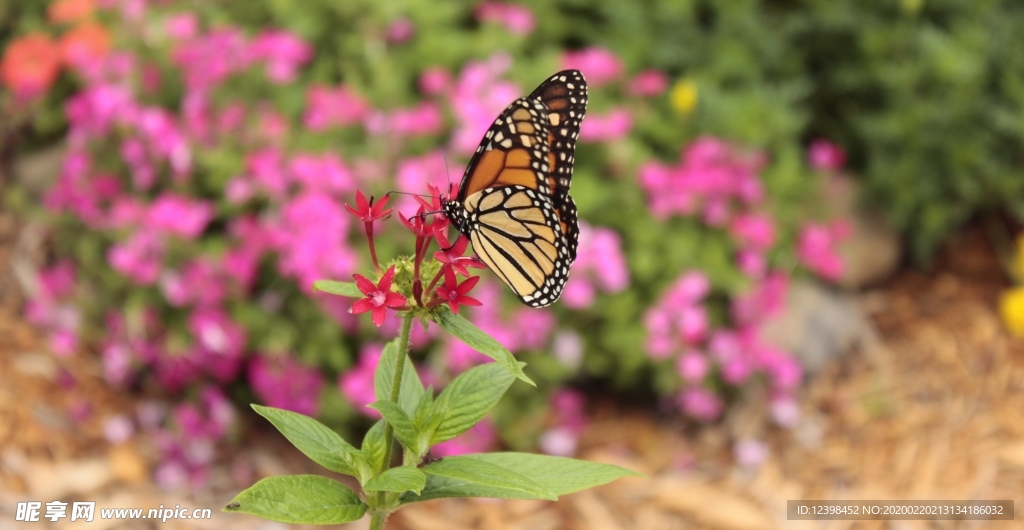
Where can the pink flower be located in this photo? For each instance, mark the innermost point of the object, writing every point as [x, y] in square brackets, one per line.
[785, 411]
[311, 239]
[752, 263]
[599, 263]
[559, 441]
[380, 297]
[692, 366]
[399, 30]
[435, 80]
[517, 19]
[139, 258]
[423, 119]
[478, 98]
[179, 215]
[118, 429]
[181, 26]
[283, 52]
[750, 453]
[713, 178]
[816, 249]
[700, 404]
[535, 326]
[608, 127]
[221, 342]
[648, 83]
[599, 65]
[333, 107]
[325, 172]
[478, 438]
[824, 155]
[416, 173]
[736, 371]
[765, 299]
[281, 382]
[207, 60]
[756, 231]
[357, 383]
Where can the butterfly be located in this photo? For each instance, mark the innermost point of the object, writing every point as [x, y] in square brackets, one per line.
[513, 202]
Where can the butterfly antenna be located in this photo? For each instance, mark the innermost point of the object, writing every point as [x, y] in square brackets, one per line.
[407, 193]
[447, 174]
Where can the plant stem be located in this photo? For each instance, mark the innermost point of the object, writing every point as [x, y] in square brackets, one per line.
[377, 518]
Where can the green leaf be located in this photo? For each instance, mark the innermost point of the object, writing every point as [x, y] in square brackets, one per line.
[314, 439]
[339, 288]
[468, 398]
[374, 449]
[465, 477]
[412, 387]
[399, 479]
[399, 420]
[299, 499]
[558, 475]
[475, 338]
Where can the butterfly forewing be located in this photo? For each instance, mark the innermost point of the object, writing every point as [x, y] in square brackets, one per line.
[565, 96]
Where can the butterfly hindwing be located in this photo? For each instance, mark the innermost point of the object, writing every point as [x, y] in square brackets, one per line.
[517, 233]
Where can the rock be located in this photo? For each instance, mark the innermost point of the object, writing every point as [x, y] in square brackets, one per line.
[37, 170]
[817, 324]
[873, 251]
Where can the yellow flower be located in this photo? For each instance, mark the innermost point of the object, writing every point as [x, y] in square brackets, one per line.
[683, 96]
[1011, 308]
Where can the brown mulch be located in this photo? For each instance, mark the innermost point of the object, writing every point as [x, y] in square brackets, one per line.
[930, 407]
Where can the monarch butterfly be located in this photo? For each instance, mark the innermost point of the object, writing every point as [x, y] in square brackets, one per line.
[513, 203]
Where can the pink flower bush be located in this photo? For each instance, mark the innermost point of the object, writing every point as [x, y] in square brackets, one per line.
[600, 264]
[281, 382]
[333, 107]
[712, 178]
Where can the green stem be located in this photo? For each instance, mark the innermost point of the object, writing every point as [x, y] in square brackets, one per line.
[377, 518]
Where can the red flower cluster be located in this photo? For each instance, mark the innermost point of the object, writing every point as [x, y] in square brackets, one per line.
[379, 297]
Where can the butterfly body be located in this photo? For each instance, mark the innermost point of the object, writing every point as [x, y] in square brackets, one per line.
[513, 202]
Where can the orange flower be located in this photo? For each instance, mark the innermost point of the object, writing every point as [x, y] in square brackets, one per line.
[87, 41]
[30, 65]
[70, 10]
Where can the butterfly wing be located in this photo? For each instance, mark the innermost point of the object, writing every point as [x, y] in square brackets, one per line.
[565, 96]
[505, 206]
[516, 232]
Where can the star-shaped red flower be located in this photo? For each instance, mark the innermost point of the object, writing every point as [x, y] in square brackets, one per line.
[378, 297]
[367, 211]
[454, 293]
[453, 256]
